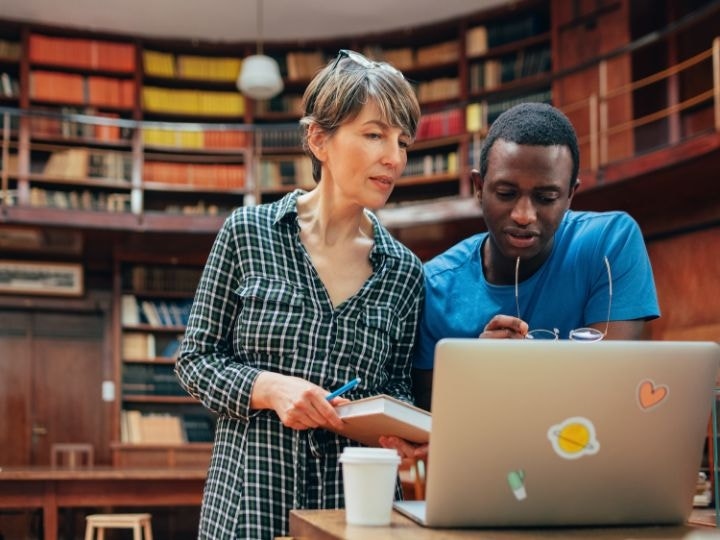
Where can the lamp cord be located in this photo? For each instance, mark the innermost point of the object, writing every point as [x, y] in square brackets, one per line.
[259, 27]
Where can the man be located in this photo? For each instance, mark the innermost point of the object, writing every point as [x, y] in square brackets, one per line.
[540, 269]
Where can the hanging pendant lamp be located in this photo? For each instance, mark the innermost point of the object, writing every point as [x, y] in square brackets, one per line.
[260, 74]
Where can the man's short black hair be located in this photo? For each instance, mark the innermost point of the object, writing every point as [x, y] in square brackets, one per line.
[537, 124]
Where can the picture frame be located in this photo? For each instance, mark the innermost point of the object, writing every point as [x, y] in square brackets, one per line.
[41, 278]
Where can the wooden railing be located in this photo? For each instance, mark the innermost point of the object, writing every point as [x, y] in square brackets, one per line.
[598, 104]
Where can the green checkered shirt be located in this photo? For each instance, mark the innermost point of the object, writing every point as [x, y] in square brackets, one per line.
[260, 305]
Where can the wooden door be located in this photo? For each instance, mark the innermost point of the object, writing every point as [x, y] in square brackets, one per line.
[15, 387]
[50, 383]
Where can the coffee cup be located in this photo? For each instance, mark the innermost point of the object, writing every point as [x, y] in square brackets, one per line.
[369, 480]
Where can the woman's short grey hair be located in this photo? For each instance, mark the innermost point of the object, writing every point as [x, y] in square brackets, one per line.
[338, 93]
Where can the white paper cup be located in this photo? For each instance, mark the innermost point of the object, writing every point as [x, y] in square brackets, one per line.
[369, 479]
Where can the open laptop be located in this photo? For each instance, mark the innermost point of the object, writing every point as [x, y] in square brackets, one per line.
[565, 433]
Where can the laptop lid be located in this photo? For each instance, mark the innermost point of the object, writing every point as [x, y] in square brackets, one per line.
[566, 433]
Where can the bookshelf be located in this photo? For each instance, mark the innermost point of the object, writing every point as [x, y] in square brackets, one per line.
[155, 417]
[192, 164]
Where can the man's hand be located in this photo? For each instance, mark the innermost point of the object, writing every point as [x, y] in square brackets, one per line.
[505, 327]
[405, 448]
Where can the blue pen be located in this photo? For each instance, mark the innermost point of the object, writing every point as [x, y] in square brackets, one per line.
[344, 388]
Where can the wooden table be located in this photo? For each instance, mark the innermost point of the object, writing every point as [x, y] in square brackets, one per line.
[330, 525]
[51, 489]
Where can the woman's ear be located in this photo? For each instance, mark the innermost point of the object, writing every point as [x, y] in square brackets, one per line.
[316, 139]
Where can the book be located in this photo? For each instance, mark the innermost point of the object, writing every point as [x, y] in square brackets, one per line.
[369, 418]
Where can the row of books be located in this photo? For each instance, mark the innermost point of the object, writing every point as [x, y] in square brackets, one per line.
[432, 164]
[150, 379]
[199, 175]
[81, 163]
[207, 68]
[286, 172]
[199, 208]
[146, 346]
[9, 50]
[479, 39]
[442, 88]
[492, 73]
[284, 103]
[98, 201]
[43, 126]
[82, 90]
[82, 53]
[9, 85]
[438, 53]
[155, 312]
[496, 107]
[279, 136]
[206, 139]
[150, 278]
[193, 102]
[301, 65]
[441, 124]
[155, 428]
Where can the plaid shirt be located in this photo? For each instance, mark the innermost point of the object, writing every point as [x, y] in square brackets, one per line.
[260, 305]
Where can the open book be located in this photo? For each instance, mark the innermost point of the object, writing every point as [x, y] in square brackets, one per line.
[367, 419]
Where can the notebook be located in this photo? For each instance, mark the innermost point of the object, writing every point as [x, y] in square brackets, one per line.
[565, 433]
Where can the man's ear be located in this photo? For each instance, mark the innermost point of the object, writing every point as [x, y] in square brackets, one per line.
[316, 138]
[573, 189]
[477, 183]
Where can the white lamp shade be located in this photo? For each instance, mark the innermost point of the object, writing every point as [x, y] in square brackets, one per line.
[260, 77]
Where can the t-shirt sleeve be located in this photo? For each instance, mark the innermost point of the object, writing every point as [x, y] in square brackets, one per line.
[633, 287]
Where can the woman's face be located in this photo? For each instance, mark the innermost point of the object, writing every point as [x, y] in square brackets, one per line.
[364, 158]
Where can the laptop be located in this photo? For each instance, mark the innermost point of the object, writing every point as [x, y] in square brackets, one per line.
[563, 433]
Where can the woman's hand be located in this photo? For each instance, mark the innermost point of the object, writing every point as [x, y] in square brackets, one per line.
[505, 327]
[298, 403]
[405, 448]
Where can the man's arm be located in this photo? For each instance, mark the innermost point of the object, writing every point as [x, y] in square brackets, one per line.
[422, 387]
[631, 330]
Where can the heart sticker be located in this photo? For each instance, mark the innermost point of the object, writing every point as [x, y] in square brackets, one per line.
[651, 394]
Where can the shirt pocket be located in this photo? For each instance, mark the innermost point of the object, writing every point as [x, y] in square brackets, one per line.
[377, 331]
[270, 319]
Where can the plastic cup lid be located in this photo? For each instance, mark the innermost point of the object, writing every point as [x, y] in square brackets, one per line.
[353, 454]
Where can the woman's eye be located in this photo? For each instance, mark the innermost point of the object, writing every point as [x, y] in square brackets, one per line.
[374, 135]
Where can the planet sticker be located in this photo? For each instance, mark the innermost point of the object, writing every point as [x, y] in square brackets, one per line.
[574, 438]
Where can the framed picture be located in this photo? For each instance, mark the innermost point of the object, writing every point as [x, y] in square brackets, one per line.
[40, 278]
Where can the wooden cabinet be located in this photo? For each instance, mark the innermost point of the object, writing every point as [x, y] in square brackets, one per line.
[158, 423]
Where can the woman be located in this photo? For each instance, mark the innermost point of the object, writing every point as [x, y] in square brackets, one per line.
[300, 296]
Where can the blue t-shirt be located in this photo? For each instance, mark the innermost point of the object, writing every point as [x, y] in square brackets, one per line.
[570, 290]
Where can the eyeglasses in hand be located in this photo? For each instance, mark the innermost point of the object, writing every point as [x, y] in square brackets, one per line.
[579, 334]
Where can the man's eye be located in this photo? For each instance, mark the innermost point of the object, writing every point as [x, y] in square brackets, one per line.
[548, 198]
[505, 195]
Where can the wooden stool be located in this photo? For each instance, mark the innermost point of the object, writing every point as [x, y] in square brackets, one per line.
[139, 523]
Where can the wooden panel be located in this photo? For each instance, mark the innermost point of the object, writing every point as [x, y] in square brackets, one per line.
[686, 272]
[15, 373]
[582, 34]
[68, 354]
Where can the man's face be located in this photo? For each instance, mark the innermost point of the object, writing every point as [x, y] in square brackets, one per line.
[524, 195]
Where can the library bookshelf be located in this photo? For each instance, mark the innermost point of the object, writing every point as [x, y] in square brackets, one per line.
[157, 160]
[157, 421]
